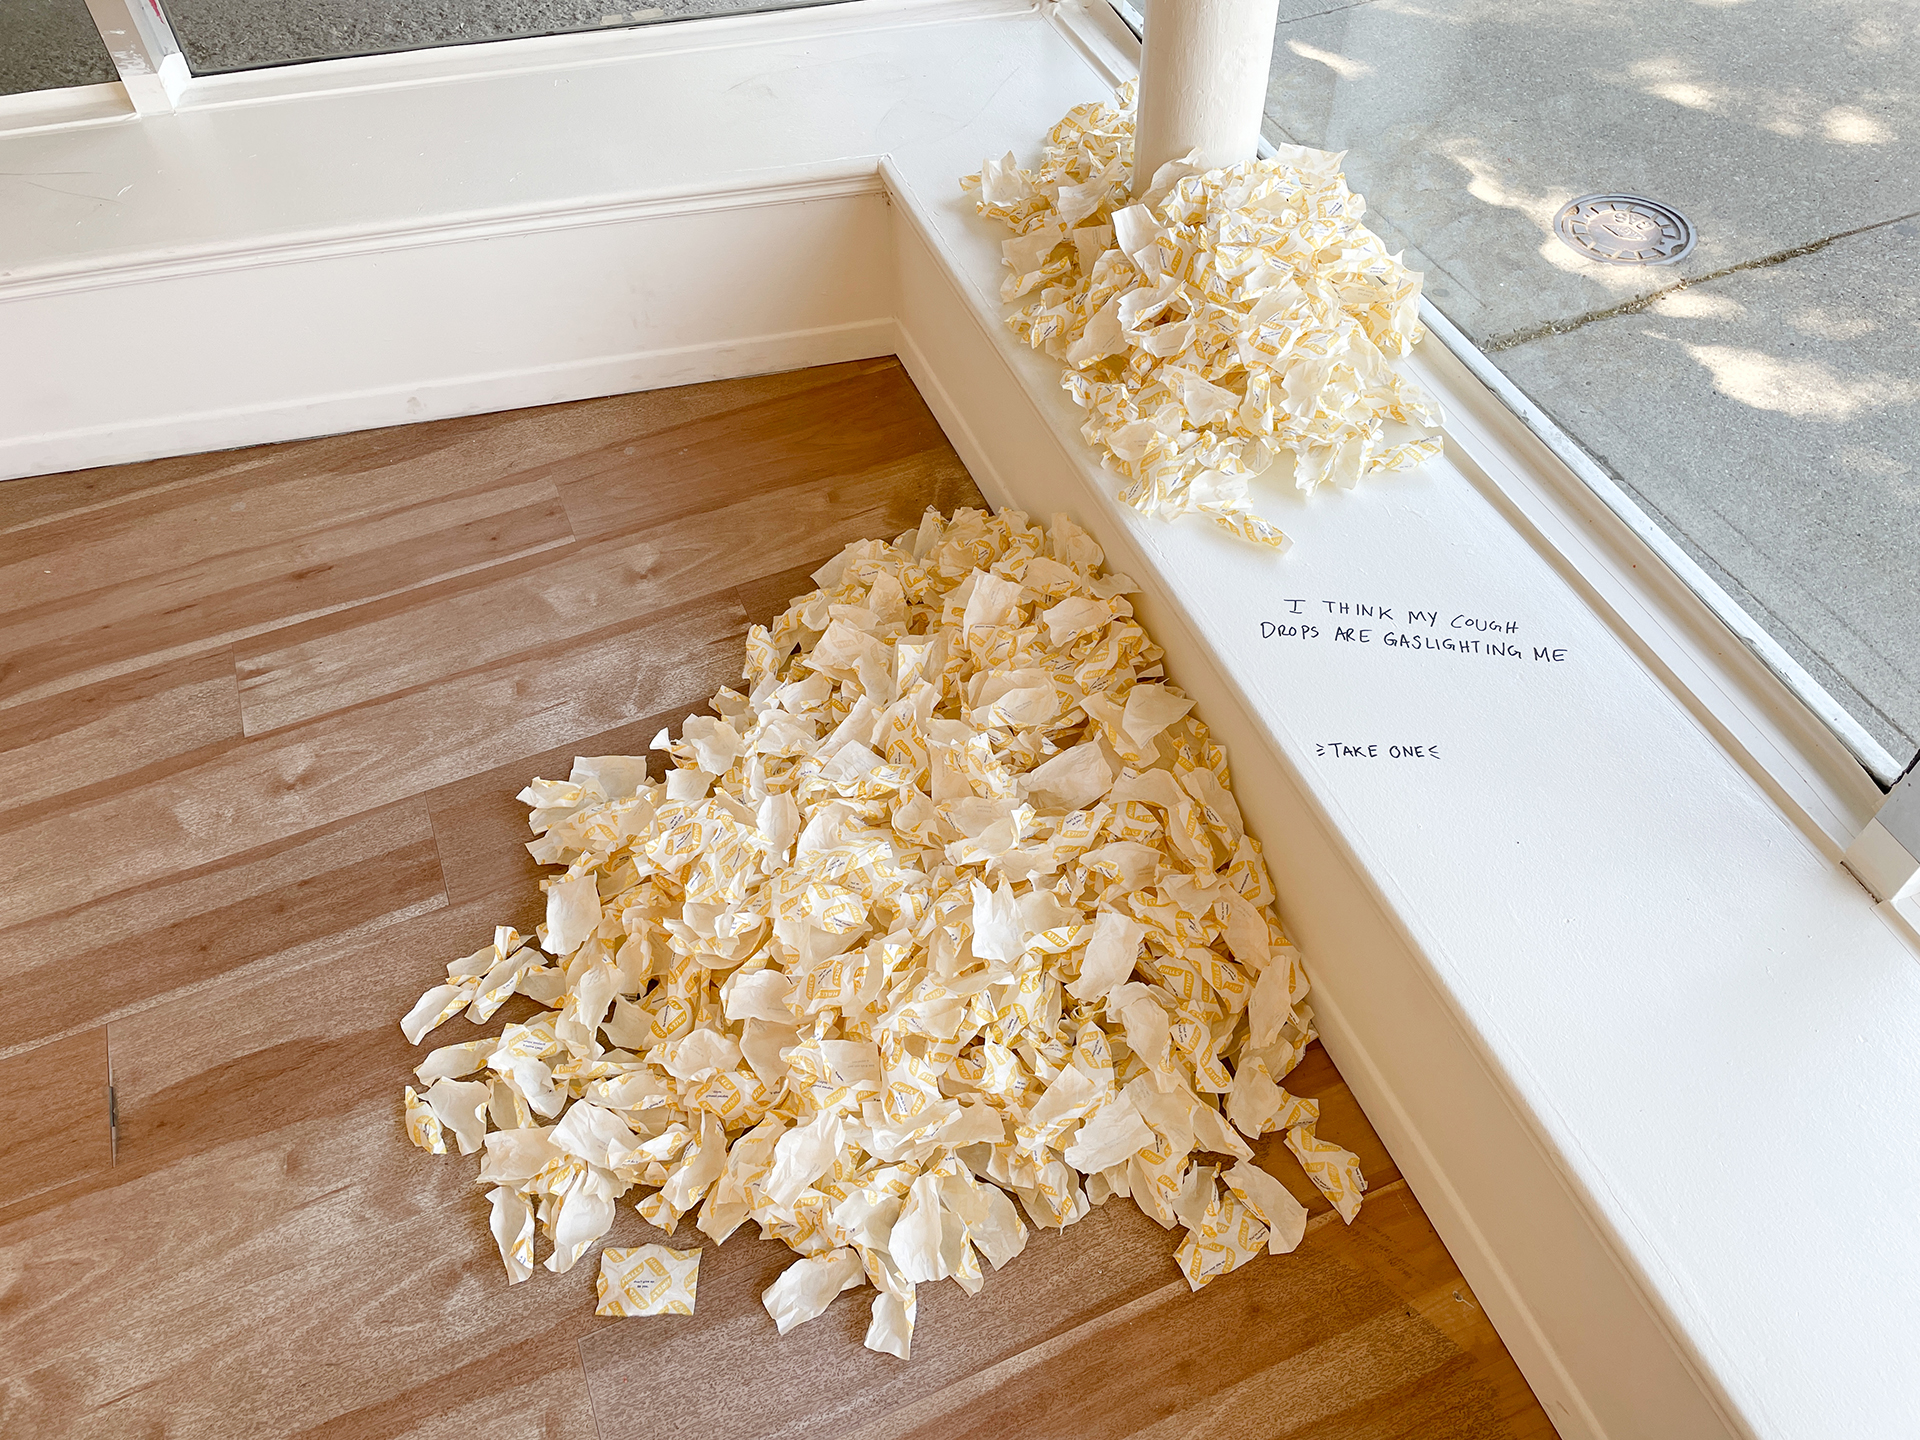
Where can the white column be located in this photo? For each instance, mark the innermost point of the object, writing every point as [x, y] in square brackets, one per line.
[1886, 855]
[144, 51]
[1203, 82]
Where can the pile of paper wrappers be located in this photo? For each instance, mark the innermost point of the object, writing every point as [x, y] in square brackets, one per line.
[1228, 321]
[952, 906]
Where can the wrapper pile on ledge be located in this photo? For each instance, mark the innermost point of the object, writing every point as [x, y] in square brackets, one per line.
[953, 906]
[1230, 318]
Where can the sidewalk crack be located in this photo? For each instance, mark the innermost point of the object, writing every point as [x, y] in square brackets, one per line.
[1630, 307]
[1330, 10]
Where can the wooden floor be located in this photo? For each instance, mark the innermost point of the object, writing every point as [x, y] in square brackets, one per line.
[262, 716]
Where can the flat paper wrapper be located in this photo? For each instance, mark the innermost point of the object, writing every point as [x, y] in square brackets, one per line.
[647, 1280]
[948, 917]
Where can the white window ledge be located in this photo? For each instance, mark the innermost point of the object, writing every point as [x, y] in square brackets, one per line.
[1649, 1057]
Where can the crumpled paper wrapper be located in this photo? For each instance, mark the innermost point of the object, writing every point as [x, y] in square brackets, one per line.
[1233, 323]
[947, 916]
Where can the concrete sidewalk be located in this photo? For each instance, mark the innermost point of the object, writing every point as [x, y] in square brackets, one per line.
[1761, 398]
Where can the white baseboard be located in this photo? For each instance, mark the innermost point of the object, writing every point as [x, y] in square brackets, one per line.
[439, 399]
[320, 336]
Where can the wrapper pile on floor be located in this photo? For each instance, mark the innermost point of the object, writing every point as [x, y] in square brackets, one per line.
[1230, 318]
[954, 905]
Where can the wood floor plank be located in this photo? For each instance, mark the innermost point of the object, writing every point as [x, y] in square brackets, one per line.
[270, 1254]
[98, 733]
[819, 1377]
[1399, 1247]
[266, 1048]
[533, 1389]
[1445, 1404]
[53, 1116]
[332, 885]
[36, 501]
[837, 433]
[350, 659]
[308, 570]
[173, 549]
[1340, 1115]
[235, 895]
[1273, 1349]
[286, 490]
[766, 598]
[1195, 1371]
[1365, 1370]
[482, 829]
[506, 442]
[266, 790]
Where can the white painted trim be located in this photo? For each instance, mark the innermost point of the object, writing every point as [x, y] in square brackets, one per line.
[139, 40]
[336, 291]
[1098, 34]
[1883, 863]
[444, 397]
[66, 108]
[832, 181]
[1886, 856]
[158, 91]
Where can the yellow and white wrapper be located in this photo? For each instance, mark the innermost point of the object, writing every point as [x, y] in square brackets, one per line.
[1336, 1172]
[1228, 1236]
[647, 1280]
[1284, 1216]
[943, 925]
[1231, 324]
[423, 1126]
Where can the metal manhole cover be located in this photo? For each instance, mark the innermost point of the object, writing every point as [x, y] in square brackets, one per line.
[1624, 230]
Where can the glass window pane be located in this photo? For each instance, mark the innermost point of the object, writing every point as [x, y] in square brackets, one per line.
[47, 44]
[1759, 397]
[243, 34]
